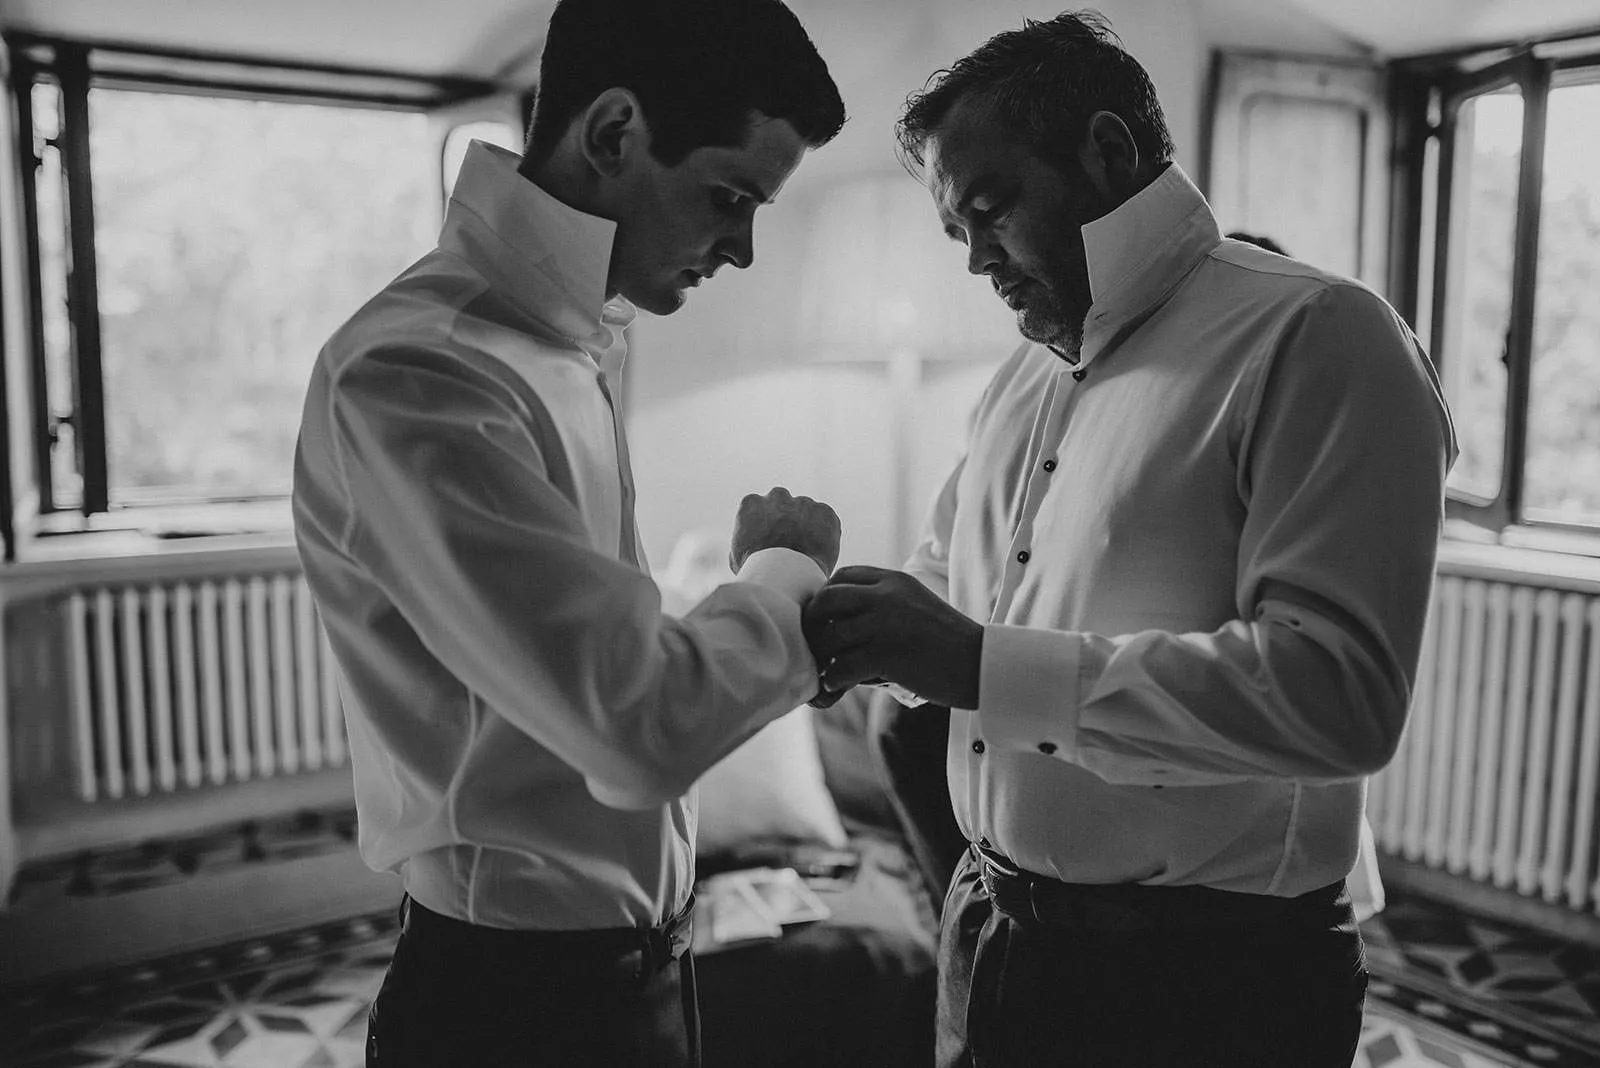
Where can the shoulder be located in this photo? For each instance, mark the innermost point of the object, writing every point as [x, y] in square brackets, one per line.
[1295, 287]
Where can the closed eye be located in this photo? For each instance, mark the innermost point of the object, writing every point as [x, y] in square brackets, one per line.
[990, 214]
[731, 200]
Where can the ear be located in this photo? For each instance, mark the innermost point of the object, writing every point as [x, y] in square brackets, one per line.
[1110, 155]
[611, 131]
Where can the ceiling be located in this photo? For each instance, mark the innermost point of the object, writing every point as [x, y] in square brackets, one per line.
[496, 40]
[1409, 27]
[499, 39]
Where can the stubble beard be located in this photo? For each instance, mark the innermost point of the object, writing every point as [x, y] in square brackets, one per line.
[1055, 323]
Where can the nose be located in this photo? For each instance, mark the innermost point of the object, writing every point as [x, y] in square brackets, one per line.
[739, 248]
[983, 255]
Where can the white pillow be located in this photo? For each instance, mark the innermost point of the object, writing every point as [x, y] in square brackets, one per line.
[770, 787]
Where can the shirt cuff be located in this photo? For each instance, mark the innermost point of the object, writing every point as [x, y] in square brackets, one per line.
[1028, 688]
[792, 573]
[899, 693]
[627, 800]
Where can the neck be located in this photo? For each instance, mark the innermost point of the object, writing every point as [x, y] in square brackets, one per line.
[563, 178]
[566, 177]
[1147, 173]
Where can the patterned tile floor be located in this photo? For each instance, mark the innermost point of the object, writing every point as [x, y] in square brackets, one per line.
[1522, 995]
[1448, 989]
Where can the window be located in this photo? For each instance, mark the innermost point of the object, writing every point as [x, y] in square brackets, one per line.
[1297, 152]
[1505, 236]
[1476, 322]
[202, 227]
[1563, 465]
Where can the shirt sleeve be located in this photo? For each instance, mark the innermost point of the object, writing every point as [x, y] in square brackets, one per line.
[458, 519]
[1344, 450]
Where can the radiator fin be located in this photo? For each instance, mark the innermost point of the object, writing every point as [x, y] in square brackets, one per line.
[177, 685]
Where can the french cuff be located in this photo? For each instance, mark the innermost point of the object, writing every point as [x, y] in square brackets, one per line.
[627, 800]
[791, 573]
[1028, 690]
[899, 693]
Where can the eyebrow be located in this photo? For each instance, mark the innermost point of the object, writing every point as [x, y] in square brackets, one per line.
[750, 189]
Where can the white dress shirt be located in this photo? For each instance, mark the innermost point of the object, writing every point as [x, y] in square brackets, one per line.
[524, 722]
[1203, 556]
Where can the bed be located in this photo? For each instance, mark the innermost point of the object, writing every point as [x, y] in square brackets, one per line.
[856, 988]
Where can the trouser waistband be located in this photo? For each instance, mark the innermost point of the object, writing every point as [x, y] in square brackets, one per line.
[660, 944]
[1135, 908]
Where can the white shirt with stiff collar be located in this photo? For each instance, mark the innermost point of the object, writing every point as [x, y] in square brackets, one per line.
[524, 722]
[1203, 556]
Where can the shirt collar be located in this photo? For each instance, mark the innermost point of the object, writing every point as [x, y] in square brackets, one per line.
[547, 259]
[1139, 251]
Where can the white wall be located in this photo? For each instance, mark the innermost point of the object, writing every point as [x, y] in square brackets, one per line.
[721, 402]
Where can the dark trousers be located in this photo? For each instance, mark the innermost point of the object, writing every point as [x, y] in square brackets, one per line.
[463, 996]
[909, 746]
[1016, 993]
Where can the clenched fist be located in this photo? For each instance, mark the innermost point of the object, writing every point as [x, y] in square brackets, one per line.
[776, 520]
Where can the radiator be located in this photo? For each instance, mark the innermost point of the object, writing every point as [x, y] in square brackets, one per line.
[182, 684]
[1497, 777]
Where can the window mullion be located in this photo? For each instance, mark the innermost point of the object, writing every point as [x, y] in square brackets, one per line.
[1524, 275]
[89, 381]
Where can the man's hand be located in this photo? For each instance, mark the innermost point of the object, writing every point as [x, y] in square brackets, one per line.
[871, 624]
[779, 521]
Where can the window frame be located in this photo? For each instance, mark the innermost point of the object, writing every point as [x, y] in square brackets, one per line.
[1428, 93]
[76, 67]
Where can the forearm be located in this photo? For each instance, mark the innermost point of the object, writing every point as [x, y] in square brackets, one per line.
[1285, 696]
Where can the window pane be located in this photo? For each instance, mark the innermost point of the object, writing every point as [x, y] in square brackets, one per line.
[1302, 177]
[1483, 210]
[1563, 475]
[50, 190]
[233, 237]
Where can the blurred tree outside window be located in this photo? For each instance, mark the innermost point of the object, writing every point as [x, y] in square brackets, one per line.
[1477, 312]
[1563, 469]
[1517, 337]
[233, 237]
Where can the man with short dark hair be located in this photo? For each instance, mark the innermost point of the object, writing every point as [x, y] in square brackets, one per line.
[1174, 592]
[524, 721]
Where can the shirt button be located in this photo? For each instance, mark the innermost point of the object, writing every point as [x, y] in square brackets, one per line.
[1024, 556]
[1049, 465]
[1047, 748]
[1079, 374]
[984, 842]
[977, 746]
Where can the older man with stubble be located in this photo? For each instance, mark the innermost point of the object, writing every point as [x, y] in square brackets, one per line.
[1173, 593]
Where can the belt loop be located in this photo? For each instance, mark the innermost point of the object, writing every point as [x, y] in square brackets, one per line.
[1033, 901]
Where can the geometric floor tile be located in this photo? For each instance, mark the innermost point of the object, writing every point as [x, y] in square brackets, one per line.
[1529, 996]
[296, 1001]
[1447, 992]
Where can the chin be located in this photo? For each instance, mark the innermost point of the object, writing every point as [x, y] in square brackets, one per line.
[659, 301]
[1050, 328]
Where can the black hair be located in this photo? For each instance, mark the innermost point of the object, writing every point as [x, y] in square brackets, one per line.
[1042, 83]
[697, 67]
[1258, 241]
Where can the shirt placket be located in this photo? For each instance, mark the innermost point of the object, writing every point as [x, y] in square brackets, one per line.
[608, 349]
[1055, 411]
[627, 548]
